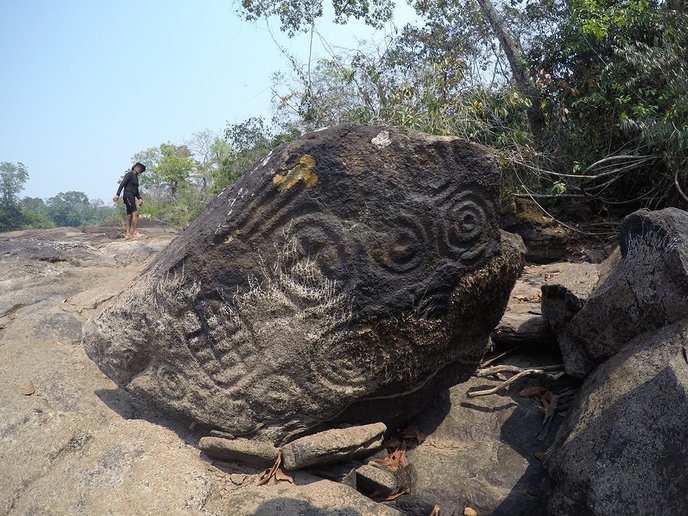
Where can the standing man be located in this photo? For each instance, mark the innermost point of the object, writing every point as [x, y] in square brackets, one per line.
[130, 185]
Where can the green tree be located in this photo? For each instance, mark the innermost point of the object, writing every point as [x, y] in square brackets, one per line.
[583, 97]
[301, 15]
[168, 168]
[175, 166]
[70, 209]
[13, 177]
[244, 144]
[35, 214]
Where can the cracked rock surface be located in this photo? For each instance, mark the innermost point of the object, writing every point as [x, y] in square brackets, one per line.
[79, 444]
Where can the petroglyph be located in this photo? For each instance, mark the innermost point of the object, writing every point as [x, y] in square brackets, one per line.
[306, 291]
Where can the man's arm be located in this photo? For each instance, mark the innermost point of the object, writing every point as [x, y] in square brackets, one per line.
[123, 184]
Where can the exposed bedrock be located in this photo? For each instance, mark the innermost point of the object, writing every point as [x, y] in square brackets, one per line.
[349, 276]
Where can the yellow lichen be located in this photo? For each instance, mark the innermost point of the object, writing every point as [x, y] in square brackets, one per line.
[303, 171]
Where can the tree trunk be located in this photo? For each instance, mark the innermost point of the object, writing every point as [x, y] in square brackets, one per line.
[514, 54]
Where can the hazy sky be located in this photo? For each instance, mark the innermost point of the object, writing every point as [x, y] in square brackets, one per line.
[85, 84]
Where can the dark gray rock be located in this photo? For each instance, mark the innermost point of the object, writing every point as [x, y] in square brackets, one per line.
[337, 280]
[567, 292]
[412, 505]
[252, 452]
[333, 445]
[559, 305]
[622, 449]
[546, 241]
[647, 290]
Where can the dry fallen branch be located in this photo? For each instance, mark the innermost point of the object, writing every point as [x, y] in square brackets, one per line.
[399, 492]
[271, 473]
[491, 371]
[516, 377]
[494, 359]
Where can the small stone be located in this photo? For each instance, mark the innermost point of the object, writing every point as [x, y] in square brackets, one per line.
[382, 140]
[29, 390]
[254, 453]
[332, 445]
[375, 479]
[469, 512]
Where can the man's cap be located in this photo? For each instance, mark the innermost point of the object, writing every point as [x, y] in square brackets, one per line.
[143, 167]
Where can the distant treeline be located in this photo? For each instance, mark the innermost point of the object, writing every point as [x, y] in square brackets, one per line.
[64, 209]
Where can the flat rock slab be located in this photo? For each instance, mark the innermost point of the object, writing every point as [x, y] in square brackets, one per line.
[252, 452]
[480, 452]
[333, 445]
[354, 265]
[313, 497]
[80, 445]
[525, 321]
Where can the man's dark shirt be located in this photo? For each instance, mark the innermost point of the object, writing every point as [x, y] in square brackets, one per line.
[130, 184]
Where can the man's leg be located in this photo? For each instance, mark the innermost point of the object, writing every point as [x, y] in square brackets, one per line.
[135, 223]
[127, 233]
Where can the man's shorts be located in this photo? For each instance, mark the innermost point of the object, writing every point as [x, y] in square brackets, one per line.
[130, 203]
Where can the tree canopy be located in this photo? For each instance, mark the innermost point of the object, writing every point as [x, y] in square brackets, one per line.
[580, 99]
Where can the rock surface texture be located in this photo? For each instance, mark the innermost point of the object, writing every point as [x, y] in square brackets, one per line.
[79, 445]
[648, 289]
[622, 450]
[349, 276]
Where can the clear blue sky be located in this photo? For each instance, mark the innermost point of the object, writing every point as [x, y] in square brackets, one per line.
[85, 84]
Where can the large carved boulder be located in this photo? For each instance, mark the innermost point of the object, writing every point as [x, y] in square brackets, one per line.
[646, 290]
[349, 276]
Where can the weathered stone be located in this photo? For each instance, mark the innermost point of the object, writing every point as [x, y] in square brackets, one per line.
[115, 454]
[525, 323]
[647, 290]
[333, 445]
[309, 496]
[336, 280]
[559, 305]
[563, 297]
[546, 241]
[622, 448]
[253, 452]
[375, 479]
[344, 472]
[523, 329]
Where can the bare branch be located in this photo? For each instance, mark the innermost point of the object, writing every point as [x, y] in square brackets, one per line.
[515, 378]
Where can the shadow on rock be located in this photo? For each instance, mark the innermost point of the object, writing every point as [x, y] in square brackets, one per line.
[129, 407]
[481, 452]
[292, 506]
